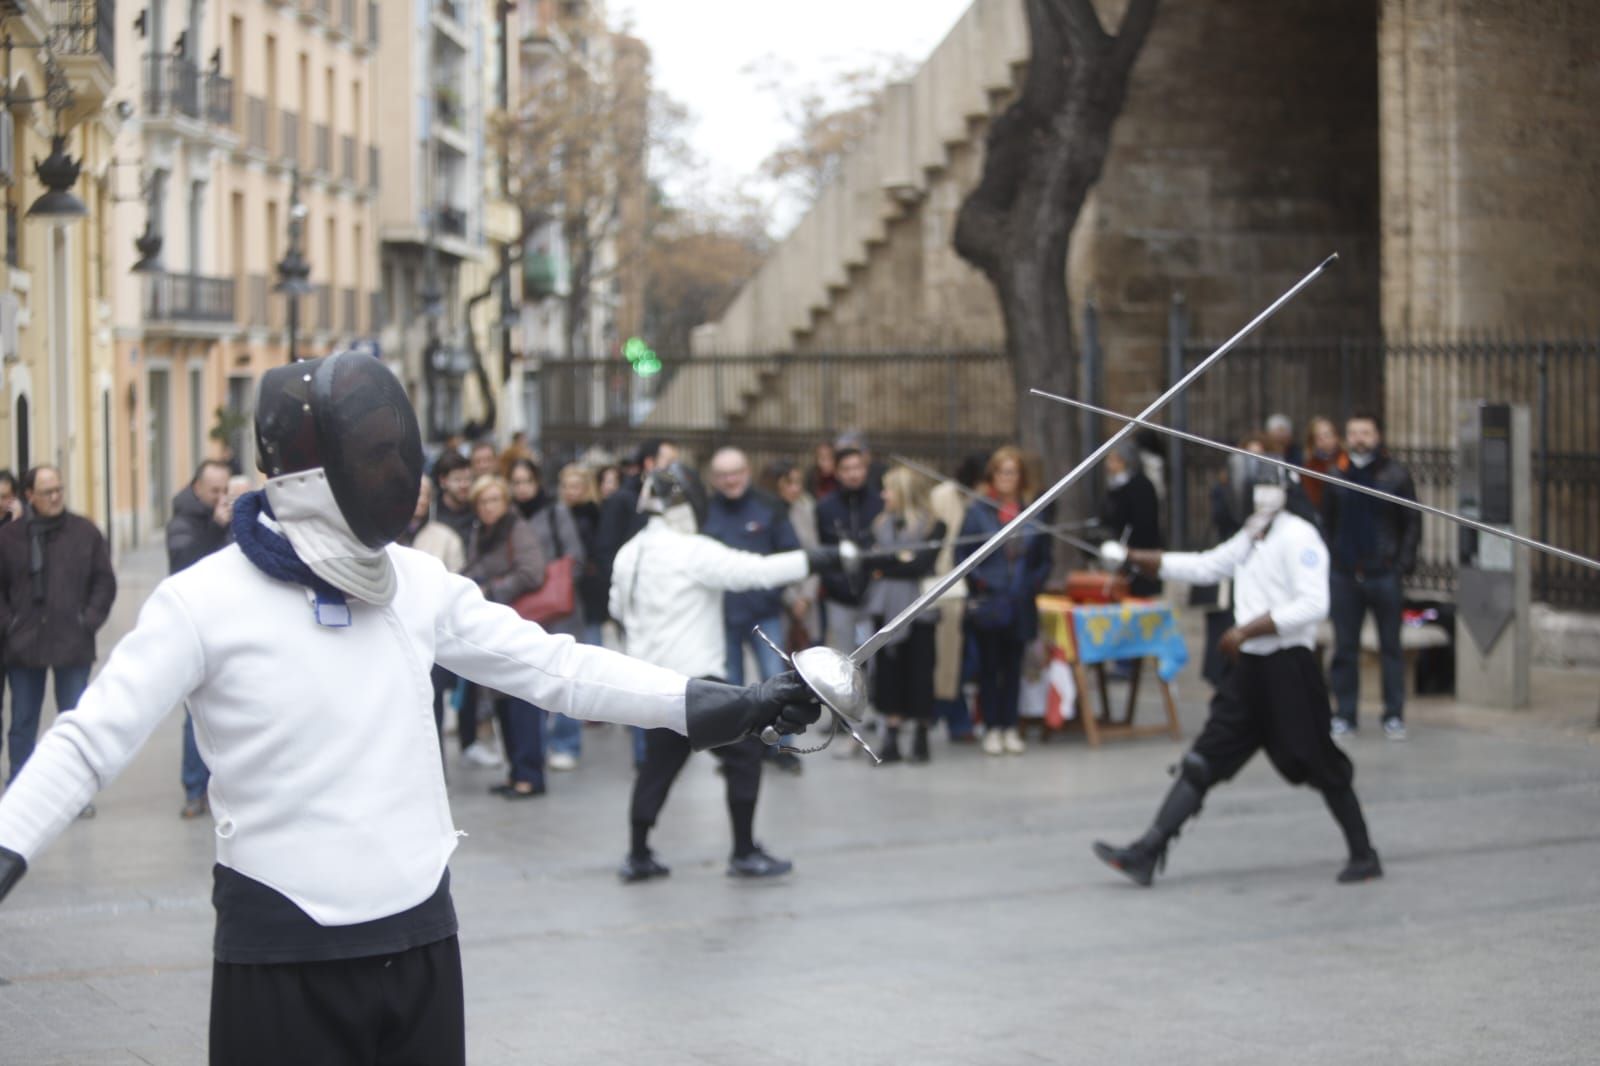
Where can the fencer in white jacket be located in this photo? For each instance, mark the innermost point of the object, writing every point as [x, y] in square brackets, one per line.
[303, 653]
[667, 586]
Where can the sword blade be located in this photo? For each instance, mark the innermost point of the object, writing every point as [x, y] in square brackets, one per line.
[978, 497]
[1332, 479]
[967, 565]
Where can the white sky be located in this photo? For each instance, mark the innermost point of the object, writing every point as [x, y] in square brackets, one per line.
[700, 49]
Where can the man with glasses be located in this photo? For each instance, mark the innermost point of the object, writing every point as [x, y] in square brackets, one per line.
[56, 591]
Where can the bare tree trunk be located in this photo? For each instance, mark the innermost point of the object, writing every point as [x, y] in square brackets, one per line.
[1043, 155]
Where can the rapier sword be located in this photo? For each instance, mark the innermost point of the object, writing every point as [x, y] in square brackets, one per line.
[1332, 479]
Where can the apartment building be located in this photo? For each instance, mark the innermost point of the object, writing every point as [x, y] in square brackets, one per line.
[252, 128]
[55, 353]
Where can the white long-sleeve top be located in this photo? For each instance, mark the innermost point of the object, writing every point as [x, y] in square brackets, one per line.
[666, 591]
[1284, 574]
[325, 776]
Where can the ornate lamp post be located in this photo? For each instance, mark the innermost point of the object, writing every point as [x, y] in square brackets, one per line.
[293, 270]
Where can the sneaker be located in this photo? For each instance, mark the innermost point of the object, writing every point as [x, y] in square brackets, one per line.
[481, 755]
[758, 864]
[993, 742]
[87, 812]
[1012, 740]
[1358, 870]
[1394, 728]
[195, 808]
[561, 760]
[1137, 863]
[1340, 728]
[636, 868]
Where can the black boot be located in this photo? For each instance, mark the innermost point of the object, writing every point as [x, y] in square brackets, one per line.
[1141, 859]
[1346, 810]
[1366, 868]
[919, 743]
[891, 745]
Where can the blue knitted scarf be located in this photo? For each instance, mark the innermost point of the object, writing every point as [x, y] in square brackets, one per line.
[274, 556]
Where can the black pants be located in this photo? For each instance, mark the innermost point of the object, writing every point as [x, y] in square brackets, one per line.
[1277, 703]
[902, 678]
[1000, 654]
[386, 1010]
[665, 752]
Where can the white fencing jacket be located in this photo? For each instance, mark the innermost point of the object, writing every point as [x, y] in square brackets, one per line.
[1284, 574]
[666, 591]
[326, 783]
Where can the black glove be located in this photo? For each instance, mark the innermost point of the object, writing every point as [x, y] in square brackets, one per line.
[718, 714]
[12, 867]
[844, 557]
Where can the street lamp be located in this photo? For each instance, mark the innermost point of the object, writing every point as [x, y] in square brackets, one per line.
[58, 173]
[293, 270]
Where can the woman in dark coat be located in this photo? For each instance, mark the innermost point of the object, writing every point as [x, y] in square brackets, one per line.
[1000, 596]
[505, 559]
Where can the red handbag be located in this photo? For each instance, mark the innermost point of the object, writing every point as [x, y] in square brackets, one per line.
[553, 600]
[557, 597]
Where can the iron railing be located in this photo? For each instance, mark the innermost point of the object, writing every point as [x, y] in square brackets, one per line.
[347, 17]
[1417, 389]
[349, 320]
[171, 86]
[324, 298]
[188, 298]
[937, 406]
[374, 165]
[347, 158]
[219, 99]
[372, 22]
[84, 28]
[375, 312]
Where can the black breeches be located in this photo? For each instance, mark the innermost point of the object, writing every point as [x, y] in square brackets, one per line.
[385, 1010]
[665, 752]
[1277, 703]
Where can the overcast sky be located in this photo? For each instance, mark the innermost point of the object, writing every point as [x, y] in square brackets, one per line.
[700, 49]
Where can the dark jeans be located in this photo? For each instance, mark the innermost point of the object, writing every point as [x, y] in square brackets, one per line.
[999, 676]
[1352, 597]
[27, 699]
[194, 774]
[522, 729]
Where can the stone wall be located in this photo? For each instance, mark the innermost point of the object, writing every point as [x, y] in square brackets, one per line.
[1491, 190]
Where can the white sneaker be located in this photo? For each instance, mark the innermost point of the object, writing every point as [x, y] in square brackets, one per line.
[1394, 728]
[1013, 742]
[560, 760]
[480, 755]
[1340, 729]
[993, 743]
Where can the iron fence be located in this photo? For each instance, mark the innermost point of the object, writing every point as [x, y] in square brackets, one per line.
[935, 406]
[188, 297]
[84, 28]
[1417, 388]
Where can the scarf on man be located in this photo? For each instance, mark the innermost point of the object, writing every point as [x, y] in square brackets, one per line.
[39, 530]
[272, 554]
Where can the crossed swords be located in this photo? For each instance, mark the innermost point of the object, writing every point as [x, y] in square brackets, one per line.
[838, 679]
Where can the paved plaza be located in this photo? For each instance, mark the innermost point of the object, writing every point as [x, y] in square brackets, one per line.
[942, 914]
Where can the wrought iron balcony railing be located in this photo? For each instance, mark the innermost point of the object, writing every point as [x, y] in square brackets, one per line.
[84, 28]
[188, 297]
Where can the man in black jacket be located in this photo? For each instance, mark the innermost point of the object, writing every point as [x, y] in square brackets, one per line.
[56, 591]
[198, 527]
[846, 513]
[1373, 545]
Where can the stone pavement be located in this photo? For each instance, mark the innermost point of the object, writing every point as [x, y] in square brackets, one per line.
[941, 914]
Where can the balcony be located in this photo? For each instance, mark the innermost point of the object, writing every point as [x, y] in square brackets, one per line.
[324, 298]
[374, 165]
[176, 87]
[350, 318]
[372, 23]
[347, 159]
[188, 298]
[452, 221]
[447, 105]
[375, 312]
[83, 38]
[289, 136]
[347, 17]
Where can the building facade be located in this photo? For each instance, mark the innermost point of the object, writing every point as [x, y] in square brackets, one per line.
[55, 282]
[252, 125]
